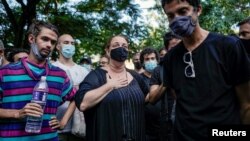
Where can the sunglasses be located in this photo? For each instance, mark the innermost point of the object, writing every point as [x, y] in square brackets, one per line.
[189, 69]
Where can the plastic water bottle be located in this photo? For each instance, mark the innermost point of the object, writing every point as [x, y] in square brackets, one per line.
[40, 91]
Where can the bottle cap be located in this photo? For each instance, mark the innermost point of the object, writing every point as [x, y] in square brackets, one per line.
[43, 78]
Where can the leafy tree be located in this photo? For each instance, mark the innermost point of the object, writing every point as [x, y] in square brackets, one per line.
[91, 22]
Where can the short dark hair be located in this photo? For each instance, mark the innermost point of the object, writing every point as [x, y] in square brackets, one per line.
[247, 20]
[15, 51]
[36, 26]
[194, 3]
[148, 50]
[167, 37]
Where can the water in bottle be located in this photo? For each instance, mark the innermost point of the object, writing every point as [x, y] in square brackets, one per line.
[40, 91]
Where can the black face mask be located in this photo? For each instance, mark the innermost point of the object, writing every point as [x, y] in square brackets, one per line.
[119, 54]
[161, 59]
[137, 65]
[246, 43]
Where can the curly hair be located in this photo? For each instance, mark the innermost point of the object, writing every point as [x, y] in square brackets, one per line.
[149, 50]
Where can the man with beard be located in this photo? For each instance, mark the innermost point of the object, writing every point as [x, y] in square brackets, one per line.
[137, 63]
[17, 81]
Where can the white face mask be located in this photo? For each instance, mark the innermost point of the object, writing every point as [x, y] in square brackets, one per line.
[35, 50]
[1, 61]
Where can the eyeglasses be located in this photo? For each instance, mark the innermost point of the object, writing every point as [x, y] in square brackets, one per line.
[102, 62]
[189, 69]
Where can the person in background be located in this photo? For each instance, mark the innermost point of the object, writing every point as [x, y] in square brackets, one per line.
[156, 84]
[112, 98]
[17, 81]
[162, 52]
[104, 61]
[16, 54]
[76, 73]
[149, 59]
[86, 63]
[209, 73]
[137, 64]
[244, 33]
[3, 59]
[170, 40]
[159, 93]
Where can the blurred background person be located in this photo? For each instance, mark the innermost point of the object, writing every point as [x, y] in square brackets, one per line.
[86, 62]
[3, 59]
[76, 73]
[16, 54]
[104, 60]
[149, 59]
[170, 40]
[137, 64]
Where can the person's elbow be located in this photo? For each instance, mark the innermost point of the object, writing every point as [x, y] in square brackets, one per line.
[151, 99]
[84, 106]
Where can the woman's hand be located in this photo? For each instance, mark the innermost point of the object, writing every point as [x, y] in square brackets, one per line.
[116, 83]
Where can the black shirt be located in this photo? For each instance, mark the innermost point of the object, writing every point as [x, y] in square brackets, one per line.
[220, 64]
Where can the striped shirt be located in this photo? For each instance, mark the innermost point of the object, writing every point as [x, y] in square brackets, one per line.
[16, 85]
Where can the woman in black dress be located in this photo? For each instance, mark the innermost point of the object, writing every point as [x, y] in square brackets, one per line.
[112, 98]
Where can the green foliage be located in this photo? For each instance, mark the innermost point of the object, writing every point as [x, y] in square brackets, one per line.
[93, 22]
[221, 15]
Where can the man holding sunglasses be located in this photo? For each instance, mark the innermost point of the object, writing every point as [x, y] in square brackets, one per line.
[207, 71]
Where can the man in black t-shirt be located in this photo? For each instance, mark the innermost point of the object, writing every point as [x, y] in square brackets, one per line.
[207, 71]
[149, 59]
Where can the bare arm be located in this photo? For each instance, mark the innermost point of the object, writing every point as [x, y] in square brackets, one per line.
[94, 96]
[69, 112]
[243, 93]
[156, 92]
[30, 109]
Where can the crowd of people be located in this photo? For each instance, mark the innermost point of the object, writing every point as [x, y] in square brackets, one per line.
[197, 80]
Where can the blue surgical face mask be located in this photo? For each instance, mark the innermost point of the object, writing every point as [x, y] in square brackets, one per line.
[149, 66]
[87, 66]
[68, 51]
[35, 50]
[182, 26]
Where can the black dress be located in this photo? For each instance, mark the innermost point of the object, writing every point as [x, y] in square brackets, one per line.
[119, 116]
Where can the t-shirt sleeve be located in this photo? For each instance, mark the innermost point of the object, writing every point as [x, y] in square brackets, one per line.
[90, 82]
[155, 78]
[238, 63]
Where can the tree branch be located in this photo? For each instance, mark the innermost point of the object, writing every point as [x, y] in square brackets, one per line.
[10, 14]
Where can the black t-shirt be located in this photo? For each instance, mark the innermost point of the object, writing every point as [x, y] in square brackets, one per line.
[152, 115]
[219, 64]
